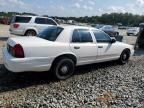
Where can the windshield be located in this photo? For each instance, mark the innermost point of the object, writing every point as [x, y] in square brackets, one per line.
[50, 33]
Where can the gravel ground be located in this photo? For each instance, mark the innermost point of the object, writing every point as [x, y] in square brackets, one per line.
[104, 85]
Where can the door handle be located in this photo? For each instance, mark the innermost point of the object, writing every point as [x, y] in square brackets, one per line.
[100, 46]
[76, 47]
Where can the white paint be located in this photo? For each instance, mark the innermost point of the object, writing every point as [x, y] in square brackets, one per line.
[40, 53]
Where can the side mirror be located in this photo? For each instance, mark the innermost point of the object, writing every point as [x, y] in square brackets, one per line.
[113, 39]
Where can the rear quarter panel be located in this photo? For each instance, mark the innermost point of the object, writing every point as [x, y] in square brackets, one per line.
[47, 51]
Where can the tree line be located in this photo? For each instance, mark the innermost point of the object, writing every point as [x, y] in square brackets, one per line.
[125, 19]
[10, 14]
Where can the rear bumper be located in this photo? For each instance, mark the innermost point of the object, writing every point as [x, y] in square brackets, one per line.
[25, 64]
[16, 32]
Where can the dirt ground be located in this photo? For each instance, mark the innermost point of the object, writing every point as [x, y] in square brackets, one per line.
[4, 34]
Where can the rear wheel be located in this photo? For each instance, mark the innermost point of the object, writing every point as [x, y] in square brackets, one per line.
[63, 68]
[124, 58]
[30, 33]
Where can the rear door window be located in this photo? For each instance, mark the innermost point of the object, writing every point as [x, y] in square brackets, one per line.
[76, 37]
[50, 22]
[40, 20]
[81, 36]
[20, 19]
[85, 35]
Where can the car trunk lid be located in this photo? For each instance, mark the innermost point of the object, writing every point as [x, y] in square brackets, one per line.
[26, 41]
[26, 45]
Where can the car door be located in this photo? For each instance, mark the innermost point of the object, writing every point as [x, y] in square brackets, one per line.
[106, 49]
[83, 45]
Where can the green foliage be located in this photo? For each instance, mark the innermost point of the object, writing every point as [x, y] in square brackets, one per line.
[126, 19]
[10, 14]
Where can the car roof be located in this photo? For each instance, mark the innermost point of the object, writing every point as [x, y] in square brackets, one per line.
[76, 27]
[32, 16]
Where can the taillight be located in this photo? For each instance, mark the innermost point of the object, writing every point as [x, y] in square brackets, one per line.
[17, 51]
[16, 25]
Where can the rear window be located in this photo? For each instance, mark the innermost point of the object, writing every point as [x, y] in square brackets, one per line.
[50, 33]
[19, 19]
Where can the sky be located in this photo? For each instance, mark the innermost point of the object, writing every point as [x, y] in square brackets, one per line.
[75, 8]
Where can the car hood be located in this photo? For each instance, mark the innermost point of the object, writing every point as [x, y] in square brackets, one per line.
[27, 41]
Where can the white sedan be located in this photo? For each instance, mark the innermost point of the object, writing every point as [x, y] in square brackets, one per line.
[60, 49]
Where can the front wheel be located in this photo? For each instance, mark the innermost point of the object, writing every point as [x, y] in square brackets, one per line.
[124, 57]
[63, 68]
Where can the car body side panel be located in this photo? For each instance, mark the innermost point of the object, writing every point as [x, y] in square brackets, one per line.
[40, 53]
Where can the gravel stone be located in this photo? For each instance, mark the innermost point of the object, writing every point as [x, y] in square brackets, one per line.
[103, 85]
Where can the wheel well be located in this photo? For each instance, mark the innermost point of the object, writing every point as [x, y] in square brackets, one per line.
[127, 49]
[70, 56]
[30, 30]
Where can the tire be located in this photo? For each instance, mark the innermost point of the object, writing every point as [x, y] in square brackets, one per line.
[63, 68]
[124, 57]
[30, 33]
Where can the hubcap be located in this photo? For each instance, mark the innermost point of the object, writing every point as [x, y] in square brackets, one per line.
[124, 57]
[64, 69]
